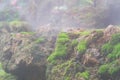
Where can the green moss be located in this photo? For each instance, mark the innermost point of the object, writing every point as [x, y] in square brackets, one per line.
[27, 33]
[67, 78]
[60, 48]
[115, 39]
[64, 71]
[63, 35]
[103, 69]
[81, 47]
[16, 23]
[115, 53]
[40, 40]
[4, 75]
[84, 75]
[110, 68]
[74, 42]
[85, 33]
[114, 67]
[106, 48]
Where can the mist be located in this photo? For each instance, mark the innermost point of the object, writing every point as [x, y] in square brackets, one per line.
[64, 14]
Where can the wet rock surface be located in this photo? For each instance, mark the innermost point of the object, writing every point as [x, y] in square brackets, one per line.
[76, 54]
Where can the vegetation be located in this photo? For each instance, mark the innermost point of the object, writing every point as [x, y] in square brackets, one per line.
[115, 54]
[61, 47]
[82, 46]
[16, 23]
[112, 51]
[85, 33]
[27, 33]
[84, 75]
[40, 40]
[4, 75]
[115, 39]
[74, 42]
[110, 68]
[106, 49]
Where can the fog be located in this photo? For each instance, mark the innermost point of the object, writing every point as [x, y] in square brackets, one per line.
[66, 13]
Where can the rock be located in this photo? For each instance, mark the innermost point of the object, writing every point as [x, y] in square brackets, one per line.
[22, 56]
[109, 31]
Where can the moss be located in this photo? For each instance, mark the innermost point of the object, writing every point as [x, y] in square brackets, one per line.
[4, 75]
[103, 69]
[110, 68]
[63, 35]
[115, 39]
[64, 71]
[85, 33]
[106, 48]
[112, 51]
[114, 67]
[27, 33]
[81, 47]
[67, 78]
[74, 42]
[40, 40]
[60, 51]
[115, 53]
[16, 23]
[84, 75]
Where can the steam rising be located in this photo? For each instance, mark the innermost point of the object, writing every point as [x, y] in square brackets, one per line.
[59, 13]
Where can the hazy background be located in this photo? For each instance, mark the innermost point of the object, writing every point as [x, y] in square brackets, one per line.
[62, 13]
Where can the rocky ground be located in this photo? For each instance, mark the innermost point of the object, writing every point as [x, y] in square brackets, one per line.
[75, 54]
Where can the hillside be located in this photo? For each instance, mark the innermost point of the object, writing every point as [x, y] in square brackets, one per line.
[75, 54]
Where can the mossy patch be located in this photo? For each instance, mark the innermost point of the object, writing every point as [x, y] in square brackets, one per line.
[115, 54]
[28, 33]
[40, 40]
[81, 47]
[60, 48]
[115, 39]
[106, 49]
[84, 75]
[74, 42]
[17, 23]
[112, 53]
[112, 48]
[85, 33]
[4, 75]
[110, 68]
[64, 71]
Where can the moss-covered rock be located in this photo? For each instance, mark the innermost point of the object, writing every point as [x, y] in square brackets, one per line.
[60, 51]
